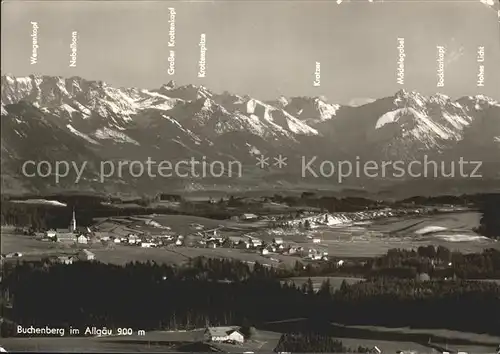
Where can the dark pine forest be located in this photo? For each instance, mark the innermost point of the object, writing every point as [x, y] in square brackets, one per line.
[153, 296]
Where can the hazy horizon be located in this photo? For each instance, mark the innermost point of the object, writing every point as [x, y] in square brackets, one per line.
[263, 49]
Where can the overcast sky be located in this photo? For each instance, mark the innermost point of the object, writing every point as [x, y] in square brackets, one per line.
[261, 48]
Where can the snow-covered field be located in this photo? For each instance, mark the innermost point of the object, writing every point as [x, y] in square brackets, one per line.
[367, 234]
[40, 201]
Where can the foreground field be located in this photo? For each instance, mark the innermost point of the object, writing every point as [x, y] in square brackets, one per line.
[155, 341]
[75, 345]
[388, 340]
[454, 341]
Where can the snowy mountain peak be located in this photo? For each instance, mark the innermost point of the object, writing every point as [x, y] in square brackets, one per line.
[50, 117]
[491, 3]
[405, 98]
[168, 86]
[321, 98]
[311, 110]
[282, 101]
[402, 93]
[439, 99]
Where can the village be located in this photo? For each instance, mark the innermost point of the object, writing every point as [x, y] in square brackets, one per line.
[248, 233]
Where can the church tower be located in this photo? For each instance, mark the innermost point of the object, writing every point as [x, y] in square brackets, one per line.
[72, 226]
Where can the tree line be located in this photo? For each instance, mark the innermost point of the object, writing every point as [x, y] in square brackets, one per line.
[438, 263]
[151, 296]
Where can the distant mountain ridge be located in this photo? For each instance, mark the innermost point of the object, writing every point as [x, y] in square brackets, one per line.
[50, 118]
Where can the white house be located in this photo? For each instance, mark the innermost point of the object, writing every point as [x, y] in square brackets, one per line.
[82, 239]
[278, 240]
[224, 334]
[178, 242]
[256, 242]
[86, 255]
[117, 240]
[248, 217]
[51, 234]
[147, 244]
[133, 239]
[316, 240]
[265, 251]
[236, 336]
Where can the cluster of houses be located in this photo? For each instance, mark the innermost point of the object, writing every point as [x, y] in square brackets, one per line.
[73, 234]
[65, 236]
[135, 236]
[276, 246]
[144, 241]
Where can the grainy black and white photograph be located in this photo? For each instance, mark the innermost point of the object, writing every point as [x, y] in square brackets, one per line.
[245, 176]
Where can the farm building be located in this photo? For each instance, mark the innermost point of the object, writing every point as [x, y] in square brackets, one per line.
[82, 239]
[236, 336]
[224, 334]
[52, 234]
[65, 260]
[86, 255]
[133, 239]
[254, 242]
[248, 217]
[278, 240]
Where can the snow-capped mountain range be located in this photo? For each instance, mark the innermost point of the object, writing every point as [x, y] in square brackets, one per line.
[53, 118]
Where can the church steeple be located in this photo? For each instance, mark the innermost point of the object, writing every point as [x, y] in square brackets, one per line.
[72, 226]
